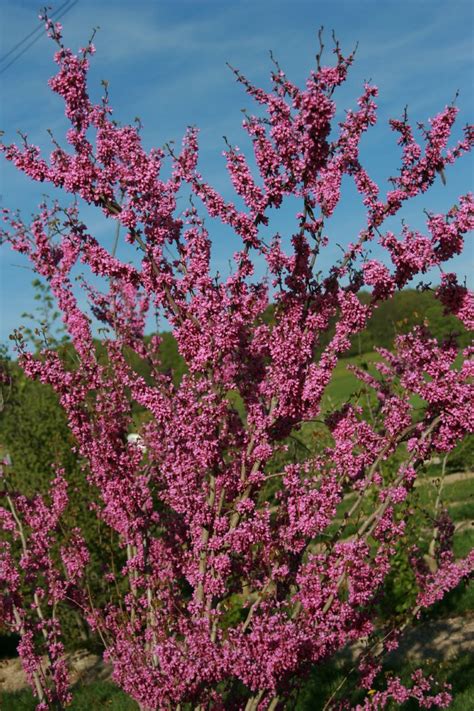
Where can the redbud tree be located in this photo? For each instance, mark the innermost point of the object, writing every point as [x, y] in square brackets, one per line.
[233, 582]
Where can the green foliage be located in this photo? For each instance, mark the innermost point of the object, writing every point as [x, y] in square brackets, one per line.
[34, 432]
[47, 332]
[35, 435]
[400, 587]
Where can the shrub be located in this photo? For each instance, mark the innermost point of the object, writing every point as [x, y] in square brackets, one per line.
[232, 583]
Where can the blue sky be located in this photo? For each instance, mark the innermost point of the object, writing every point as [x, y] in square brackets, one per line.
[166, 63]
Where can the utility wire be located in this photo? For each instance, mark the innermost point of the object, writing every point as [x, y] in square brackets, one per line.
[33, 32]
[38, 30]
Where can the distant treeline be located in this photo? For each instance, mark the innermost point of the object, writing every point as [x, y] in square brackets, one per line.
[400, 314]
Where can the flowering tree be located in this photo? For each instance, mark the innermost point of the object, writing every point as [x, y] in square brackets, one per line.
[233, 581]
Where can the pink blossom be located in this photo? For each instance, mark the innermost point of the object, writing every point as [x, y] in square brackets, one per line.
[238, 571]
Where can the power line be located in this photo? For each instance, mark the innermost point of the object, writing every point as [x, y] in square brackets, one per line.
[33, 32]
[38, 30]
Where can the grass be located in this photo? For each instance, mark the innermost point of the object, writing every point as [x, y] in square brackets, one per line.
[461, 511]
[90, 697]
[344, 384]
[462, 491]
[458, 498]
[463, 543]
[459, 491]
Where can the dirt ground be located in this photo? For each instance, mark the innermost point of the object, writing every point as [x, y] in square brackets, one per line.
[439, 640]
[83, 665]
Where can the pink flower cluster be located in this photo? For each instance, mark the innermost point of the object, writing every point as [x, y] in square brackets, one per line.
[233, 578]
